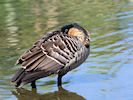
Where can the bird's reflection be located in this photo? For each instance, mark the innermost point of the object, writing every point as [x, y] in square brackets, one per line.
[61, 94]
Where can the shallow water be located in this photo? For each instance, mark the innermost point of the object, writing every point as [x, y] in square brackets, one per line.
[108, 71]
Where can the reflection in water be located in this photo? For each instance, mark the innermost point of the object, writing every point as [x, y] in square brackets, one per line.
[11, 24]
[51, 7]
[37, 12]
[61, 94]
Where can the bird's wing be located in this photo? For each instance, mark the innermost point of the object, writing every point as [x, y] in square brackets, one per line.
[50, 53]
[43, 55]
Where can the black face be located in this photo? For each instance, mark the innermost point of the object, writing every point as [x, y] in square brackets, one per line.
[86, 35]
[75, 25]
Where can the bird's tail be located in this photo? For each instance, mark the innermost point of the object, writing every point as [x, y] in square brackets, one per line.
[17, 78]
[23, 77]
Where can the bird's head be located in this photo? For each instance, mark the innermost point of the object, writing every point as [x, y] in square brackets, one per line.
[75, 30]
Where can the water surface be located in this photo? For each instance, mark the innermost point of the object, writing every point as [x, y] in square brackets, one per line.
[105, 75]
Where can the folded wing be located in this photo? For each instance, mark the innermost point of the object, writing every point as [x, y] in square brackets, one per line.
[49, 55]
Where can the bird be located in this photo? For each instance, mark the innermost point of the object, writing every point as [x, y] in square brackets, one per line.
[56, 52]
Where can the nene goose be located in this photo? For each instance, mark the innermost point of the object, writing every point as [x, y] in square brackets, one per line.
[57, 52]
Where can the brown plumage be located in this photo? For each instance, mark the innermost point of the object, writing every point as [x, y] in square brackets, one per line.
[55, 53]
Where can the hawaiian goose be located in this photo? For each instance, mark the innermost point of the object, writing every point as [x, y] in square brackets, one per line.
[57, 52]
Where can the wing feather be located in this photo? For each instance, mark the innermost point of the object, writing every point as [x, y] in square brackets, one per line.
[50, 55]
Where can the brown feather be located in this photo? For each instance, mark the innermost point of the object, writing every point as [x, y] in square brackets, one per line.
[32, 60]
[36, 63]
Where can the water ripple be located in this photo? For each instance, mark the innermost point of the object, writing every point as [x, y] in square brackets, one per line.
[11, 24]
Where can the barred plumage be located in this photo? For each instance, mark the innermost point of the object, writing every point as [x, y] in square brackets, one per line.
[55, 53]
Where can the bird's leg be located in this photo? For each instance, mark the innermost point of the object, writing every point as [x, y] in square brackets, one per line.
[33, 84]
[18, 84]
[60, 80]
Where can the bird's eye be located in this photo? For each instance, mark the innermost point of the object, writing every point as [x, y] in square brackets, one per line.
[88, 39]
